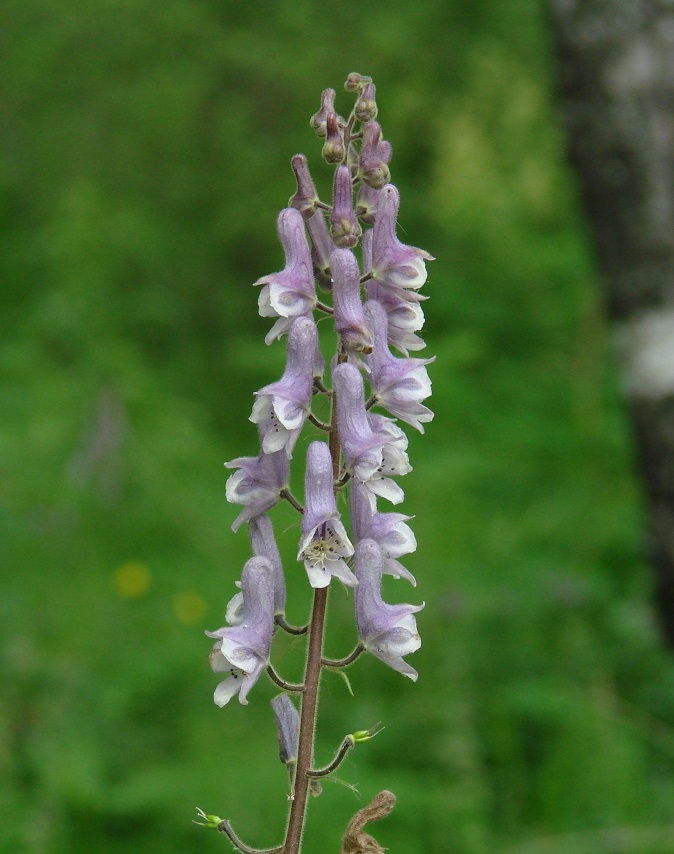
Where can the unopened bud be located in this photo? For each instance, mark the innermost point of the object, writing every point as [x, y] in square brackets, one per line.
[366, 202]
[373, 169]
[333, 149]
[306, 197]
[346, 229]
[366, 105]
[318, 120]
[210, 821]
[356, 82]
[363, 735]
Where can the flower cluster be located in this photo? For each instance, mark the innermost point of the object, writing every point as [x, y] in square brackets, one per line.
[349, 248]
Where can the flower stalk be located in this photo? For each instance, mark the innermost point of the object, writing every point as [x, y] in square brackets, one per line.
[350, 249]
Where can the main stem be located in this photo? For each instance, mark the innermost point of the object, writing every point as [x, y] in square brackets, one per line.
[312, 676]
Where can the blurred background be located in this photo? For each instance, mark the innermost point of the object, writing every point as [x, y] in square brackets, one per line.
[145, 153]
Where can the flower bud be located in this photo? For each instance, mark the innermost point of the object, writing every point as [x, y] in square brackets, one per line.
[373, 170]
[355, 82]
[333, 149]
[366, 106]
[306, 197]
[318, 120]
[349, 317]
[346, 229]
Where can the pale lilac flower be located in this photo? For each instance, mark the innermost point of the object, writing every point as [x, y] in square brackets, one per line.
[243, 650]
[404, 314]
[346, 229]
[305, 199]
[263, 543]
[398, 385]
[387, 631]
[389, 530]
[349, 319]
[281, 408]
[393, 263]
[370, 456]
[291, 292]
[257, 484]
[325, 544]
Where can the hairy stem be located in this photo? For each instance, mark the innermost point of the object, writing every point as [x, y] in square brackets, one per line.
[312, 675]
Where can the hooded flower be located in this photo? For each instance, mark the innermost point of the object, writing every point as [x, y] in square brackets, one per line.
[399, 385]
[281, 408]
[393, 263]
[349, 319]
[287, 728]
[370, 455]
[387, 631]
[291, 292]
[404, 314]
[324, 544]
[257, 484]
[389, 530]
[243, 650]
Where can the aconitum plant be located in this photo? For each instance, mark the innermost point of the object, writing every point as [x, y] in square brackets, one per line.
[376, 308]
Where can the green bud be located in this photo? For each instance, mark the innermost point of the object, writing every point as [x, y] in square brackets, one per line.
[363, 735]
[211, 821]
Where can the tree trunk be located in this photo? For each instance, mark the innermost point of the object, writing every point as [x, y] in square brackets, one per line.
[616, 82]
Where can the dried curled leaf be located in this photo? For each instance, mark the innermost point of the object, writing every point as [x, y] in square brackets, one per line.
[355, 840]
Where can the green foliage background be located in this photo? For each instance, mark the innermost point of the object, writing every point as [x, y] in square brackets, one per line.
[145, 152]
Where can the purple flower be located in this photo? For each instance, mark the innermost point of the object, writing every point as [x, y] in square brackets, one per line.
[370, 456]
[389, 530]
[346, 229]
[399, 385]
[281, 408]
[393, 263]
[257, 484]
[324, 543]
[291, 292]
[243, 650]
[349, 319]
[263, 543]
[387, 631]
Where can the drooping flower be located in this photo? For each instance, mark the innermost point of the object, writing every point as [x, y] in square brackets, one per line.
[346, 229]
[370, 456]
[349, 318]
[291, 292]
[287, 728]
[387, 631]
[257, 484]
[281, 408]
[395, 264]
[389, 530]
[398, 385]
[325, 544]
[243, 650]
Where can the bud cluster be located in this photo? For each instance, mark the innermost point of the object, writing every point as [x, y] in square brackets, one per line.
[376, 308]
